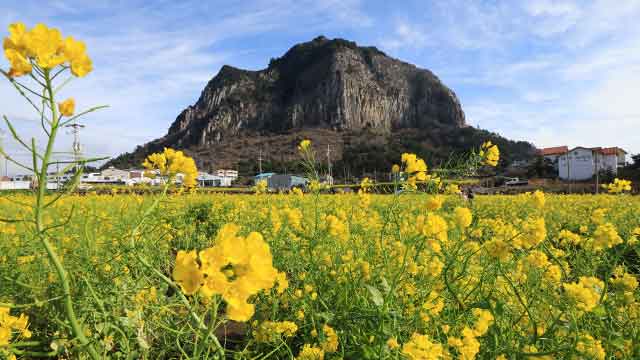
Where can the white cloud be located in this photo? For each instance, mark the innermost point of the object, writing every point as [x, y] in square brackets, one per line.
[153, 59]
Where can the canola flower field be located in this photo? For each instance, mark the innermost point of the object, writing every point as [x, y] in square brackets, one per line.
[182, 275]
[348, 276]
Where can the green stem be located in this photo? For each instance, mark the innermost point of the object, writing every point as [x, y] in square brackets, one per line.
[164, 278]
[63, 278]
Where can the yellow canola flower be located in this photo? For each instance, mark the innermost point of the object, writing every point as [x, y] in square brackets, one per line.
[490, 154]
[591, 347]
[392, 343]
[434, 203]
[452, 189]
[187, 272]
[604, 237]
[468, 346]
[483, 321]
[309, 352]
[585, 294]
[46, 47]
[170, 163]
[237, 268]
[462, 217]
[435, 227]
[419, 347]
[330, 344]
[415, 168]
[19, 63]
[304, 145]
[272, 331]
[11, 324]
[618, 186]
[534, 232]
[67, 107]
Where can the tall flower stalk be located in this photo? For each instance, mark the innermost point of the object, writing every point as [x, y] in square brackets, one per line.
[42, 56]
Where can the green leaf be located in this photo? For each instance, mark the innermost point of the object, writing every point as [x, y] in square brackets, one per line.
[600, 310]
[385, 285]
[376, 295]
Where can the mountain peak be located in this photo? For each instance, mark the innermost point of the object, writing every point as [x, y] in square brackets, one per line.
[330, 84]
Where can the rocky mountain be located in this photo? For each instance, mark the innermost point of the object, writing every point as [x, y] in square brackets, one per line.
[332, 91]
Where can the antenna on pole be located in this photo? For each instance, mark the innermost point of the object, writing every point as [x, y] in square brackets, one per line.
[76, 147]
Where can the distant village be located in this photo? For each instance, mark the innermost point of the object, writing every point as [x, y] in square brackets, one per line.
[113, 176]
[133, 177]
[576, 164]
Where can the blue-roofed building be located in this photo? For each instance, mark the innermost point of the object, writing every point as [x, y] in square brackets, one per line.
[286, 182]
[262, 176]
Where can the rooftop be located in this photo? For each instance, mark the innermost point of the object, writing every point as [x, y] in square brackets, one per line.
[557, 150]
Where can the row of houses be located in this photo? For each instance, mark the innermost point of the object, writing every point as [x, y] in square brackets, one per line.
[583, 163]
[280, 182]
[115, 176]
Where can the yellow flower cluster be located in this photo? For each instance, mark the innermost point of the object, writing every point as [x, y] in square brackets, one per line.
[171, 163]
[234, 267]
[462, 217]
[330, 343]
[568, 237]
[434, 202]
[618, 186]
[415, 168]
[10, 325]
[337, 228]
[468, 346]
[590, 347]
[146, 296]
[534, 231]
[261, 187]
[272, 331]
[44, 47]
[585, 293]
[67, 107]
[435, 227]
[490, 154]
[420, 347]
[304, 145]
[604, 237]
[365, 185]
[309, 352]
[452, 189]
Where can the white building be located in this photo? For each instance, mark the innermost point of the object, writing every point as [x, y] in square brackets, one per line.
[222, 178]
[553, 153]
[581, 163]
[111, 173]
[227, 173]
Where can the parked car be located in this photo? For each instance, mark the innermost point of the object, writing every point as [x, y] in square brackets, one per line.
[516, 182]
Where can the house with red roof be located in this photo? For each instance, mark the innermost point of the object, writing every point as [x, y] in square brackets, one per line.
[583, 163]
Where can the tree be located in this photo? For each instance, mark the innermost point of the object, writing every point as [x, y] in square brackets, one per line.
[636, 162]
[541, 167]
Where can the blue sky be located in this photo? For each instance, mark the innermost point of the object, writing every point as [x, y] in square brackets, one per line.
[549, 72]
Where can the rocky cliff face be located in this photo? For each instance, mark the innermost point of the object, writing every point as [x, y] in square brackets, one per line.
[328, 90]
[323, 83]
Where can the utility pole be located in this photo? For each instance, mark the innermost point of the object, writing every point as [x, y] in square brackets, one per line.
[330, 177]
[76, 147]
[597, 173]
[260, 162]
